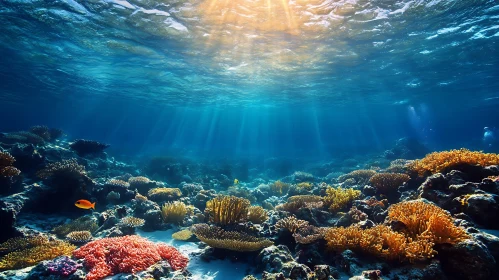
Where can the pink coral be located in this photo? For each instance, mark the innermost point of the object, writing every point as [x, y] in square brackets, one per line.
[127, 254]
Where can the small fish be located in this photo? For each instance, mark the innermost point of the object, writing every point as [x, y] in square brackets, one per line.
[85, 204]
[236, 181]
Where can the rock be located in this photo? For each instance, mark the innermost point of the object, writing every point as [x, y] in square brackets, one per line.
[294, 270]
[273, 258]
[483, 209]
[468, 260]
[349, 263]
[10, 207]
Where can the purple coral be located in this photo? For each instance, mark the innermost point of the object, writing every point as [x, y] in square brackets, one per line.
[63, 266]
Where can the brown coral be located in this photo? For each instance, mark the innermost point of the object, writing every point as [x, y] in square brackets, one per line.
[388, 182]
[361, 176]
[225, 210]
[132, 222]
[292, 224]
[426, 221]
[257, 215]
[65, 167]
[443, 161]
[85, 223]
[117, 183]
[279, 188]
[297, 202]
[164, 194]
[79, 236]
[174, 212]
[309, 234]
[6, 170]
[230, 240]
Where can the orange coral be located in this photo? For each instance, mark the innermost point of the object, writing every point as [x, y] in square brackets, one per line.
[225, 210]
[388, 182]
[426, 221]
[440, 161]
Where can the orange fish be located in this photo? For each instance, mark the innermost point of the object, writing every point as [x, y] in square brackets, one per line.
[85, 204]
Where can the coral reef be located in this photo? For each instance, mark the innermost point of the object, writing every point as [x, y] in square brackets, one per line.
[85, 223]
[79, 236]
[6, 168]
[360, 176]
[443, 161]
[292, 224]
[60, 267]
[132, 222]
[127, 254]
[174, 212]
[257, 215]
[388, 182]
[183, 235]
[225, 210]
[164, 194]
[279, 188]
[32, 251]
[339, 198]
[231, 240]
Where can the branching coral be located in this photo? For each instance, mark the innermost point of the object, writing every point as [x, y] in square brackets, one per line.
[33, 251]
[361, 176]
[388, 182]
[230, 240]
[183, 235]
[19, 243]
[164, 194]
[426, 221]
[127, 254]
[132, 222]
[279, 188]
[338, 198]
[257, 215]
[225, 210]
[380, 241]
[309, 234]
[442, 161]
[69, 167]
[174, 212]
[85, 223]
[292, 224]
[6, 168]
[117, 183]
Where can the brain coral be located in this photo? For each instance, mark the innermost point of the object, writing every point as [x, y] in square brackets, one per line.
[127, 254]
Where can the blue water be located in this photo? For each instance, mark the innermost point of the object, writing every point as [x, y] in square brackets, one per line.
[310, 79]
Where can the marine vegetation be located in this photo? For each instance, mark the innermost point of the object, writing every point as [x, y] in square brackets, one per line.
[226, 210]
[442, 161]
[339, 198]
[127, 254]
[231, 240]
[388, 182]
[173, 212]
[6, 168]
[24, 252]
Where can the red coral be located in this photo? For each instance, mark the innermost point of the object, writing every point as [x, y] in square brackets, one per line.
[127, 254]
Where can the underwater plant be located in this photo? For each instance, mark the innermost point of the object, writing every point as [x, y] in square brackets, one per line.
[127, 254]
[226, 210]
[231, 240]
[30, 251]
[388, 182]
[173, 212]
[339, 198]
[6, 168]
[257, 215]
[442, 161]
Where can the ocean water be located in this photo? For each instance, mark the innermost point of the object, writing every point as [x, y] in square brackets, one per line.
[248, 82]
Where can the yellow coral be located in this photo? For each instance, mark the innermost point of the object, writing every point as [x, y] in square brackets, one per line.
[441, 161]
[18, 243]
[388, 182]
[257, 215]
[428, 221]
[230, 240]
[183, 235]
[304, 185]
[279, 188]
[339, 198]
[225, 210]
[174, 212]
[30, 256]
